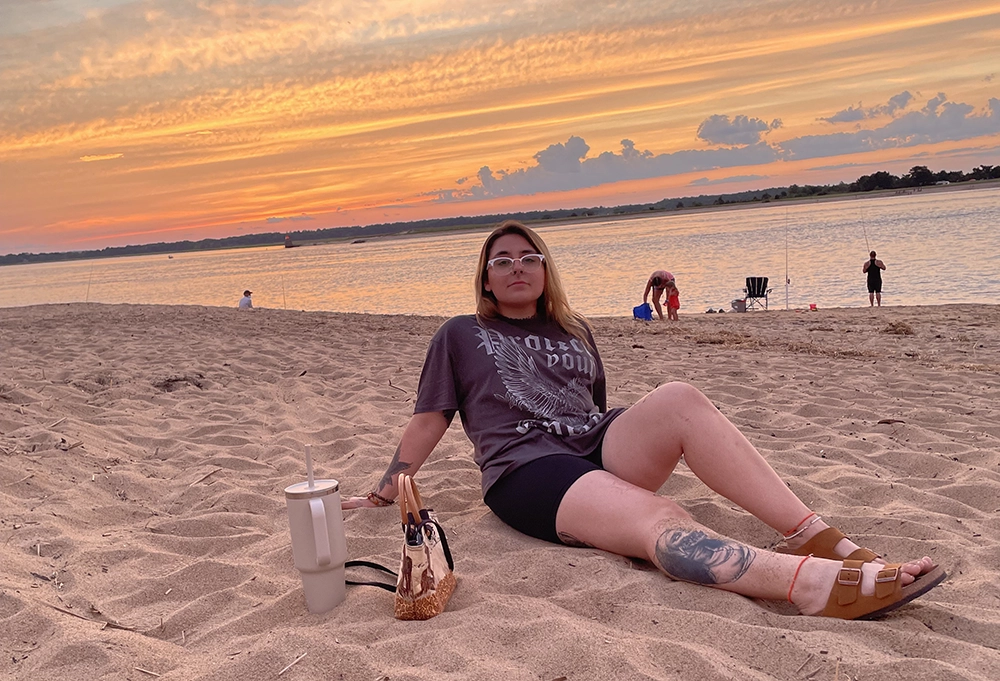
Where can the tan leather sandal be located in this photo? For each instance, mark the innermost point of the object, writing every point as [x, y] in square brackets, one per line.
[848, 603]
[822, 545]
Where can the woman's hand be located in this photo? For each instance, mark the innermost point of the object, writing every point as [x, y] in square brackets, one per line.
[356, 502]
[420, 437]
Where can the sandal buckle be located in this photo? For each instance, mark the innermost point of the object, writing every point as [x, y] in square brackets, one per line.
[849, 576]
[887, 575]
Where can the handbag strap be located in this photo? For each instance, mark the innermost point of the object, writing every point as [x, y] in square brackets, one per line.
[374, 566]
[420, 515]
[444, 543]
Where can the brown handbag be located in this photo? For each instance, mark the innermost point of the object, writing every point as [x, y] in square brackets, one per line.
[426, 571]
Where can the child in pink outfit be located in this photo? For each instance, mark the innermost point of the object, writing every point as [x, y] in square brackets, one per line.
[673, 300]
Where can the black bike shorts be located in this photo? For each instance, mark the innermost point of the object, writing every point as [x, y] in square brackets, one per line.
[528, 497]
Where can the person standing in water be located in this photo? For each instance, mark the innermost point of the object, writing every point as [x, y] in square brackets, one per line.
[873, 268]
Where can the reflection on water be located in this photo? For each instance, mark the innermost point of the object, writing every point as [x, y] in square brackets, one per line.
[938, 248]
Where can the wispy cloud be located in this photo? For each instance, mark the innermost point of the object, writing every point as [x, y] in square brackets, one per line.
[100, 157]
[704, 181]
[293, 218]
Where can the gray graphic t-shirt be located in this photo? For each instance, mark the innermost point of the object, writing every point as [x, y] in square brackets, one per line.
[524, 389]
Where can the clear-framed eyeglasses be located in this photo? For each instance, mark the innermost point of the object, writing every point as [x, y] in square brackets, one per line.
[504, 265]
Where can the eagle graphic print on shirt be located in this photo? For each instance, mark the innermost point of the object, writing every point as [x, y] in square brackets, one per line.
[524, 389]
[562, 409]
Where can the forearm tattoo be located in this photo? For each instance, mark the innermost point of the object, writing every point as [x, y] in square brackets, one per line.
[395, 468]
[693, 556]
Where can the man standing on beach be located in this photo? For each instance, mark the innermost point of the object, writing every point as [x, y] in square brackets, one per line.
[657, 284]
[873, 268]
[245, 302]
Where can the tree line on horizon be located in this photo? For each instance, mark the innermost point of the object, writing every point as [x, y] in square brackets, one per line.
[917, 177]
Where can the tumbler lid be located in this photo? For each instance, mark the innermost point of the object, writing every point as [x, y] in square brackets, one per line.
[321, 488]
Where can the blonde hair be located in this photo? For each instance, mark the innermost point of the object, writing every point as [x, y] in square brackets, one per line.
[551, 305]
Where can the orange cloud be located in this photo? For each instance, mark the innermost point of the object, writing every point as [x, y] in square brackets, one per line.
[100, 157]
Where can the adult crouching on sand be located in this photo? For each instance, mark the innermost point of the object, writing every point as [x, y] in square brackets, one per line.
[657, 285]
[526, 377]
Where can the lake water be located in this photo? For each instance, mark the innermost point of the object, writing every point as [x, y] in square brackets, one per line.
[938, 246]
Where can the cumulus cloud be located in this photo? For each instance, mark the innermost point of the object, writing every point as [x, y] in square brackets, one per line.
[848, 115]
[898, 102]
[741, 130]
[933, 104]
[563, 158]
[938, 121]
[562, 167]
[568, 165]
[853, 114]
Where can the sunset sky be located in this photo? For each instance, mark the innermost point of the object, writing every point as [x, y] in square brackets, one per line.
[126, 122]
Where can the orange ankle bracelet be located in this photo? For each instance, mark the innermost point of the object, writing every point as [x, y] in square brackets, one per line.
[798, 525]
[802, 528]
[796, 576]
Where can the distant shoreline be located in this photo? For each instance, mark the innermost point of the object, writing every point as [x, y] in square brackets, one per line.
[581, 219]
[741, 205]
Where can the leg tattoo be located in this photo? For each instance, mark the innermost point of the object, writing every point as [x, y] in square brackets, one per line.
[693, 556]
[569, 540]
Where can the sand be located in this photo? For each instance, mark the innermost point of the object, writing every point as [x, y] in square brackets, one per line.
[144, 451]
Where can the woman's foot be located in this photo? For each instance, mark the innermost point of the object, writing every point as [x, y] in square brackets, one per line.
[827, 545]
[818, 577]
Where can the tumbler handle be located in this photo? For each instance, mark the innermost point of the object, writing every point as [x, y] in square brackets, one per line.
[320, 533]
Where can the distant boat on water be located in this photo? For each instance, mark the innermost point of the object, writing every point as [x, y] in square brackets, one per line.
[170, 257]
[288, 242]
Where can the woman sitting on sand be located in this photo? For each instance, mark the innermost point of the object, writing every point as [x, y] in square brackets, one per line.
[525, 375]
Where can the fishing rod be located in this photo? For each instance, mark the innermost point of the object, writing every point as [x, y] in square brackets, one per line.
[865, 231]
[787, 280]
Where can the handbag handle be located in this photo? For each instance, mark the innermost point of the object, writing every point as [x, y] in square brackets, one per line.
[411, 507]
[415, 514]
[401, 495]
[415, 495]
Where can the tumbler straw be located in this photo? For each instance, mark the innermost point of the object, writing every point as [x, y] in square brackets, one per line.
[309, 467]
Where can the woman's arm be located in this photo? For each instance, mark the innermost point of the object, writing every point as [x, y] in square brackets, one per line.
[422, 434]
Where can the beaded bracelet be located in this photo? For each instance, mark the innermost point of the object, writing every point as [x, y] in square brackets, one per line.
[379, 500]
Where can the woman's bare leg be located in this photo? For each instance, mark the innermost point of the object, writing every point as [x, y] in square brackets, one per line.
[644, 444]
[608, 513]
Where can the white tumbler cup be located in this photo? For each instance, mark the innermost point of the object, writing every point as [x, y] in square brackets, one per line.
[319, 547]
